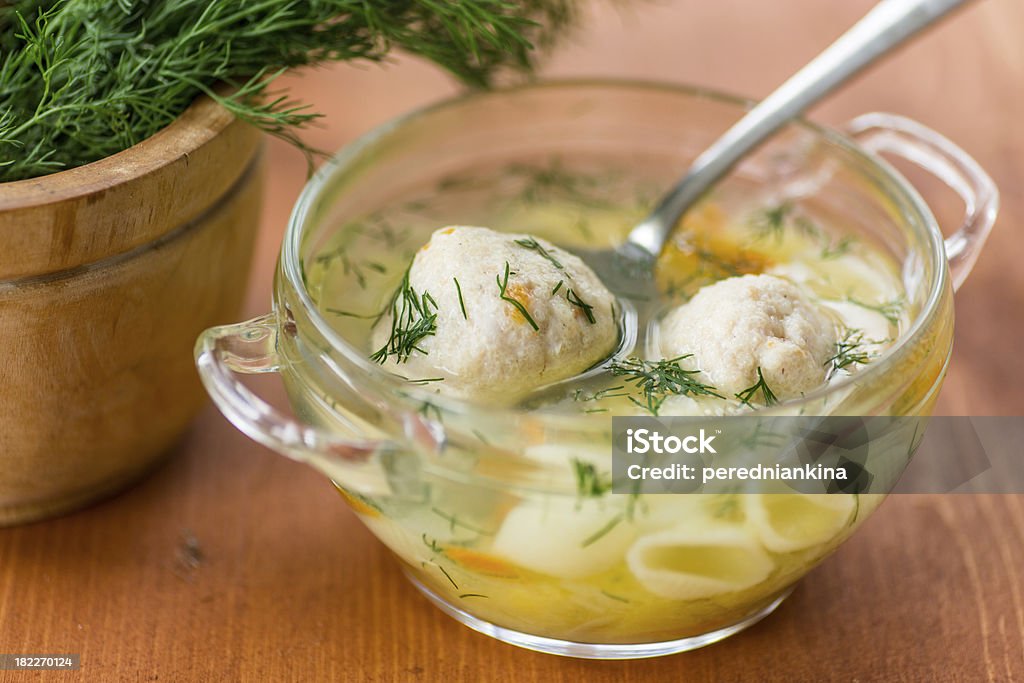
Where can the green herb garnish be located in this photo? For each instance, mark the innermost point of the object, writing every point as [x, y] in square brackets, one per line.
[772, 222]
[589, 482]
[602, 532]
[612, 596]
[767, 395]
[81, 81]
[840, 248]
[660, 379]
[850, 351]
[557, 287]
[411, 322]
[890, 310]
[454, 522]
[573, 298]
[462, 304]
[533, 245]
[503, 293]
[553, 181]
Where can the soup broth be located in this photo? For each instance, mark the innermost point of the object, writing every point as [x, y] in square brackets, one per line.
[596, 566]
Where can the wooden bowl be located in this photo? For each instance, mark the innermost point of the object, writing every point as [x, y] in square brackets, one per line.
[108, 272]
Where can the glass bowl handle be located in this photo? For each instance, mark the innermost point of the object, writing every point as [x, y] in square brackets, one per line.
[906, 139]
[251, 348]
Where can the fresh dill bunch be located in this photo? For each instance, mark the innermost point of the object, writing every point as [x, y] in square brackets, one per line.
[660, 379]
[83, 79]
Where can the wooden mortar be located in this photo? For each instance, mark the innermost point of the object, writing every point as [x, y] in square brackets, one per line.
[108, 273]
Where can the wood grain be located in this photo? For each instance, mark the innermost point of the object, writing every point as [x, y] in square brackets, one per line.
[231, 563]
[108, 272]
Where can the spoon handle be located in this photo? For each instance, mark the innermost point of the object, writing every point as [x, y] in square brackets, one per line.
[886, 26]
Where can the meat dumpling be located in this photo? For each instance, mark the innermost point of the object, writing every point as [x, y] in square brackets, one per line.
[735, 326]
[495, 315]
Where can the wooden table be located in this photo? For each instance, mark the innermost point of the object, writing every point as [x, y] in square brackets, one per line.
[230, 563]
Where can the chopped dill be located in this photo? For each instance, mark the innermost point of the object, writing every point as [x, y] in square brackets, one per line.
[589, 482]
[462, 303]
[349, 267]
[595, 410]
[610, 392]
[350, 314]
[808, 227]
[726, 508]
[659, 379]
[710, 258]
[483, 439]
[425, 380]
[840, 248]
[771, 222]
[557, 287]
[503, 293]
[411, 322]
[384, 232]
[427, 407]
[583, 226]
[890, 310]
[447, 576]
[533, 245]
[553, 181]
[573, 298]
[612, 596]
[603, 531]
[849, 351]
[471, 595]
[454, 522]
[767, 395]
[432, 544]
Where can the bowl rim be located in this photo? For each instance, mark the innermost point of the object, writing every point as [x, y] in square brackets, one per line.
[351, 153]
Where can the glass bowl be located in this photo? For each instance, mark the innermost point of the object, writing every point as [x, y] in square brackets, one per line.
[483, 506]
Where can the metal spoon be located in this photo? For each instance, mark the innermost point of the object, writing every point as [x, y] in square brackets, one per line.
[886, 26]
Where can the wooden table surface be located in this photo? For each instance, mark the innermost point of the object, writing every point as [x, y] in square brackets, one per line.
[230, 563]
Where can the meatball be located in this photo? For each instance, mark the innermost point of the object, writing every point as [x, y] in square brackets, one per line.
[737, 325]
[496, 315]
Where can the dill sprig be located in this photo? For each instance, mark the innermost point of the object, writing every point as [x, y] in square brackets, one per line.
[412, 321]
[771, 222]
[833, 251]
[349, 267]
[533, 245]
[603, 531]
[767, 395]
[554, 182]
[589, 482]
[573, 298]
[83, 79]
[850, 351]
[503, 293]
[660, 379]
[609, 392]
